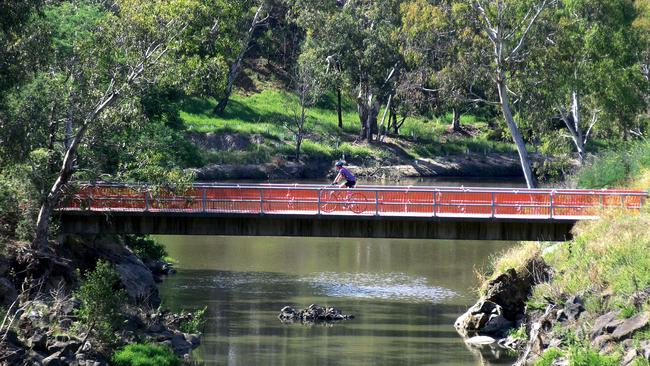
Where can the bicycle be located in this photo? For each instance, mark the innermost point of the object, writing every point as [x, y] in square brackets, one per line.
[345, 199]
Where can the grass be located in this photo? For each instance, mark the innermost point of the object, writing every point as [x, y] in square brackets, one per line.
[144, 354]
[265, 115]
[609, 255]
[628, 166]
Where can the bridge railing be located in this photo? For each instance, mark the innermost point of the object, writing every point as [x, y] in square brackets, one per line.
[413, 201]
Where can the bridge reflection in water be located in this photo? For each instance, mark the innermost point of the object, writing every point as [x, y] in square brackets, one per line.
[314, 210]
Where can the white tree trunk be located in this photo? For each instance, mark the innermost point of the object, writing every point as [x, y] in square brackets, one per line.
[574, 124]
[524, 159]
[234, 68]
[151, 58]
[455, 120]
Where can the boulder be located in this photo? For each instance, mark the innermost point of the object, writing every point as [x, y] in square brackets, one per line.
[180, 345]
[485, 318]
[644, 349]
[631, 325]
[7, 291]
[53, 360]
[629, 357]
[504, 301]
[605, 323]
[511, 289]
[135, 277]
[573, 308]
[64, 347]
[313, 313]
[497, 325]
[38, 341]
[193, 339]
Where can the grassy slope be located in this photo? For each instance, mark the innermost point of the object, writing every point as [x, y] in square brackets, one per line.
[606, 256]
[265, 114]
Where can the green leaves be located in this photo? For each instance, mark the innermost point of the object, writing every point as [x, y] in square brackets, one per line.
[101, 300]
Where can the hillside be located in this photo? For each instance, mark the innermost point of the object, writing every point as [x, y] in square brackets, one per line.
[253, 131]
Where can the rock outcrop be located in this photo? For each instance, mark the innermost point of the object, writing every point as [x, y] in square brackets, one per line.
[312, 314]
[503, 303]
[137, 279]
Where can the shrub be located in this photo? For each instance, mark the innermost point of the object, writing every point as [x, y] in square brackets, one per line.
[9, 210]
[548, 357]
[101, 301]
[583, 356]
[146, 354]
[518, 333]
[196, 322]
[146, 248]
[615, 168]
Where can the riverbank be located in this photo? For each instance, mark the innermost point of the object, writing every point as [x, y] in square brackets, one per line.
[489, 166]
[581, 302]
[63, 308]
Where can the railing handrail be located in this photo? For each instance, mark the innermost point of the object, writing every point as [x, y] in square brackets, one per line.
[383, 188]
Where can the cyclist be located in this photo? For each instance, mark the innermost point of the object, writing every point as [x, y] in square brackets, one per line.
[343, 173]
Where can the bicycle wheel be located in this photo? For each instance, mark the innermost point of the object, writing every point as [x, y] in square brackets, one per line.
[330, 200]
[357, 202]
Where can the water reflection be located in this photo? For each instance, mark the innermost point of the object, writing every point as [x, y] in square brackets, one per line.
[391, 286]
[405, 296]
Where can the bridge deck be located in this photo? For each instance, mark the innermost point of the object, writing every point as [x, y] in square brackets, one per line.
[383, 201]
[310, 210]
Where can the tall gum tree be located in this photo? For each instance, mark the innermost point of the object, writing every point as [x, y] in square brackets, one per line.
[595, 72]
[257, 20]
[436, 43]
[509, 26]
[130, 49]
[357, 36]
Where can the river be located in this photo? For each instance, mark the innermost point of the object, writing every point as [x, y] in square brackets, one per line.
[405, 295]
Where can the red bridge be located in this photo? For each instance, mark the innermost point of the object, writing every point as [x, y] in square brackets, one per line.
[366, 211]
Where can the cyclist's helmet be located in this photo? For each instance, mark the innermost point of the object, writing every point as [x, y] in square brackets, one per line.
[339, 163]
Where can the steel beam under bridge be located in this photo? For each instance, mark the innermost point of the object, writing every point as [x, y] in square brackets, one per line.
[91, 222]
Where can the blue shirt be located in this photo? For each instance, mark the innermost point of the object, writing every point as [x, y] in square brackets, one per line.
[348, 176]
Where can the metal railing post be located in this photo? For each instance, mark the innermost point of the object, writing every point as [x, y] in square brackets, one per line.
[90, 199]
[551, 208]
[492, 203]
[376, 203]
[623, 201]
[262, 201]
[204, 199]
[320, 190]
[602, 201]
[435, 203]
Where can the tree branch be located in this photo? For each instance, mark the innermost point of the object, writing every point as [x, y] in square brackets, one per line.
[530, 25]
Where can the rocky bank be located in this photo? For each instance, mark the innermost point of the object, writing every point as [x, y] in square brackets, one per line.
[37, 288]
[463, 165]
[488, 325]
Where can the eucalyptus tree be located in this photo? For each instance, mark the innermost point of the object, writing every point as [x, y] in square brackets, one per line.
[508, 29]
[642, 25]
[437, 44]
[306, 85]
[591, 76]
[125, 52]
[242, 43]
[357, 36]
[15, 42]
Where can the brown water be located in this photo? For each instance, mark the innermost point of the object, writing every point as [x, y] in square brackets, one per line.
[405, 295]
